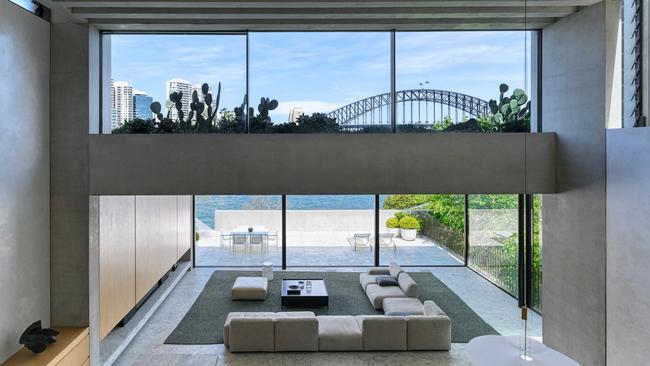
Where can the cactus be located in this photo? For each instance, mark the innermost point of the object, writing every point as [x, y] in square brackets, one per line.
[176, 99]
[155, 109]
[264, 107]
[511, 114]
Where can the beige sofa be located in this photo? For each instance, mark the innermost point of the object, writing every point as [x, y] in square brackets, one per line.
[407, 287]
[304, 332]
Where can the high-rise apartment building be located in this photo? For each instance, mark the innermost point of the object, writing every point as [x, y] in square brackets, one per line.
[142, 105]
[121, 102]
[295, 113]
[180, 85]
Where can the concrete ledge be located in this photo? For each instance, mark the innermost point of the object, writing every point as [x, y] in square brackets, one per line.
[322, 163]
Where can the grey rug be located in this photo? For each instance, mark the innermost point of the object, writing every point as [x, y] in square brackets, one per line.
[203, 323]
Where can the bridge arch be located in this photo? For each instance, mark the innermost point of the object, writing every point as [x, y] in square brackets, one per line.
[376, 110]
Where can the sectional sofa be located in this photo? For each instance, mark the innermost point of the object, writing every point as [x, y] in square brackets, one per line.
[306, 332]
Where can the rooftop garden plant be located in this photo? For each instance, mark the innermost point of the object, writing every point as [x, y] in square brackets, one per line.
[409, 223]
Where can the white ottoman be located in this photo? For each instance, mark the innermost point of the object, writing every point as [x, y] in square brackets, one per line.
[408, 305]
[250, 288]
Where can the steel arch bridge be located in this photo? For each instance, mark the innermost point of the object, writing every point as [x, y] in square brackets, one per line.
[421, 107]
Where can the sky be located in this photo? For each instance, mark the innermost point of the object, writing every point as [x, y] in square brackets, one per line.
[320, 71]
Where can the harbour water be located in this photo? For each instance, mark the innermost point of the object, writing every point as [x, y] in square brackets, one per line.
[206, 205]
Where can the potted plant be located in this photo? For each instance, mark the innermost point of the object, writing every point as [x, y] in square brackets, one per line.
[392, 224]
[409, 227]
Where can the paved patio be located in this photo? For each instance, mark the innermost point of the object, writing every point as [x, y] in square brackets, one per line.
[317, 249]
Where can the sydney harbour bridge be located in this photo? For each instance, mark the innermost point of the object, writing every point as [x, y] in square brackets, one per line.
[421, 107]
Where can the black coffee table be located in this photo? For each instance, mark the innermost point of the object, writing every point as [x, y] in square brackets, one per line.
[316, 296]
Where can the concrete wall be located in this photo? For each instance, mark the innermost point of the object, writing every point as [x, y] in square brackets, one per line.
[322, 163]
[69, 91]
[573, 106]
[24, 174]
[628, 246]
[303, 220]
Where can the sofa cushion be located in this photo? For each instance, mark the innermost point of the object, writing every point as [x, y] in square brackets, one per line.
[431, 308]
[339, 333]
[428, 333]
[226, 326]
[251, 334]
[378, 271]
[376, 294]
[293, 333]
[366, 279]
[386, 281]
[294, 314]
[408, 285]
[408, 305]
[250, 288]
[382, 333]
[394, 270]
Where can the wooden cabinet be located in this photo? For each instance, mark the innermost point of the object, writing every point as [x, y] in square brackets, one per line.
[155, 240]
[184, 225]
[70, 349]
[140, 239]
[116, 260]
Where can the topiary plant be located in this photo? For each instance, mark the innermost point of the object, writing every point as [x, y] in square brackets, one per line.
[409, 223]
[392, 223]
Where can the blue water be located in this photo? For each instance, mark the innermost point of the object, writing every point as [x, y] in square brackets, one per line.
[206, 205]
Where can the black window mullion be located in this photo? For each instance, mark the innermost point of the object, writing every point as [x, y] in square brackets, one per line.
[376, 230]
[284, 231]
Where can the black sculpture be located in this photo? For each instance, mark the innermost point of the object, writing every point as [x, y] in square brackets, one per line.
[36, 339]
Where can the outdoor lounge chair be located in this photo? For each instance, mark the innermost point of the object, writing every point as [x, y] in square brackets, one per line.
[239, 239]
[360, 241]
[386, 241]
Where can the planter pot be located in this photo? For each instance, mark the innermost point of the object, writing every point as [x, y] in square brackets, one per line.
[393, 230]
[408, 234]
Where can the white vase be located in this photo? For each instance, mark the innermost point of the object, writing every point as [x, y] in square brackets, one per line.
[408, 234]
[393, 230]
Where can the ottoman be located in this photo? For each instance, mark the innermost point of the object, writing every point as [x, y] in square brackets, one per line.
[408, 305]
[250, 288]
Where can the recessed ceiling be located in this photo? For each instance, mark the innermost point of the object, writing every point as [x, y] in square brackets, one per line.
[228, 15]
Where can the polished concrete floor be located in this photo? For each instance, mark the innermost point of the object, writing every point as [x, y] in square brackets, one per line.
[147, 348]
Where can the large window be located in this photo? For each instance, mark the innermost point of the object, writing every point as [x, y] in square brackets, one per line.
[172, 69]
[306, 82]
[494, 239]
[422, 229]
[317, 78]
[334, 230]
[238, 230]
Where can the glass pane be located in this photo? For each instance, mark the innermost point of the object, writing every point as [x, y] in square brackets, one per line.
[493, 239]
[238, 230]
[538, 243]
[147, 68]
[321, 82]
[422, 229]
[444, 79]
[330, 230]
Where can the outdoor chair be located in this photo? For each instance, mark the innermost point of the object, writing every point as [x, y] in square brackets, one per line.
[258, 240]
[225, 237]
[273, 236]
[360, 241]
[386, 241]
[239, 240]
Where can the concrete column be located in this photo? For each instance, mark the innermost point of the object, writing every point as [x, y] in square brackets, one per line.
[24, 174]
[574, 107]
[69, 121]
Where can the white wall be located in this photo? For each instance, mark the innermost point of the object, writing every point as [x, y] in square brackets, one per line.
[24, 174]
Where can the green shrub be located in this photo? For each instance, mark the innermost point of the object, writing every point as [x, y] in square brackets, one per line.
[196, 236]
[399, 215]
[392, 223]
[409, 222]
